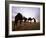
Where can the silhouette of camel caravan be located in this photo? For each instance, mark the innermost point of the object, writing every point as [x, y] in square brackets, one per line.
[30, 19]
[20, 17]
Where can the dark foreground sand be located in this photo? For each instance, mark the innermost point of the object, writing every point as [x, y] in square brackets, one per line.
[25, 26]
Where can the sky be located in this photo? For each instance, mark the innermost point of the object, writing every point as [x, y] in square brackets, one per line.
[32, 12]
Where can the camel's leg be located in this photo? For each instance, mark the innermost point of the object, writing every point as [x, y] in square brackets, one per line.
[30, 21]
[20, 21]
[14, 26]
[24, 21]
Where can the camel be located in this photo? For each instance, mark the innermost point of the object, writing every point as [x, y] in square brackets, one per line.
[30, 19]
[24, 18]
[18, 17]
[34, 19]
